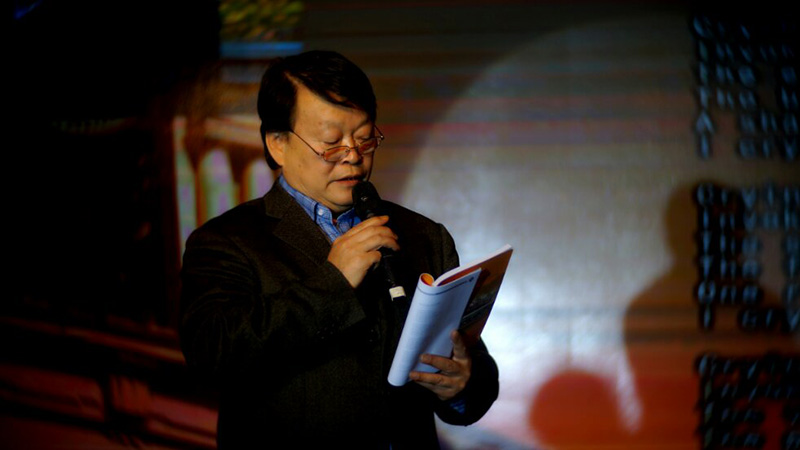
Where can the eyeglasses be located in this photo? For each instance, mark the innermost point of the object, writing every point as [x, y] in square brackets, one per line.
[335, 154]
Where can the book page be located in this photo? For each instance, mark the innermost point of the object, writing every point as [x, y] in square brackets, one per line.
[463, 269]
[436, 308]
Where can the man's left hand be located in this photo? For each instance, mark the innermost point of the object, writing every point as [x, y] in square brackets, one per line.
[453, 372]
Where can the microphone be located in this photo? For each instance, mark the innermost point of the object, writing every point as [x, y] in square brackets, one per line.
[367, 203]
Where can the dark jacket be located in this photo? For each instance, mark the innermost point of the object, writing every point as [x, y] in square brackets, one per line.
[300, 356]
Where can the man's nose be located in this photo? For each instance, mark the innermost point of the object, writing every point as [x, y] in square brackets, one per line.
[352, 156]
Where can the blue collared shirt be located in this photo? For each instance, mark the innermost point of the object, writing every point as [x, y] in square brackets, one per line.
[321, 214]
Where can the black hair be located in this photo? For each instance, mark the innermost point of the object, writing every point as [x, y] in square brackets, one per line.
[325, 73]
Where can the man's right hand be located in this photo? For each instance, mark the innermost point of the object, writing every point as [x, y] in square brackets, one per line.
[356, 251]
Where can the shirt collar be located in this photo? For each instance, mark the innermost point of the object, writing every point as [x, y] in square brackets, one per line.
[321, 214]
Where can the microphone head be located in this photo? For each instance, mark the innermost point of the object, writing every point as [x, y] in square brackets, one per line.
[366, 200]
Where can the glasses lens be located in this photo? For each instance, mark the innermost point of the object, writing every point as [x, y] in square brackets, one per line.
[368, 146]
[335, 154]
[364, 148]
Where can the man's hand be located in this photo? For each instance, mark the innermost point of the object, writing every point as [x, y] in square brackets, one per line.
[354, 252]
[454, 372]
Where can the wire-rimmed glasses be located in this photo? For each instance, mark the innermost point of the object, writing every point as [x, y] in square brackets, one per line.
[338, 153]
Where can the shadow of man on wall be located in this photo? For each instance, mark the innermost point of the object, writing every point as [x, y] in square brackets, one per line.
[578, 409]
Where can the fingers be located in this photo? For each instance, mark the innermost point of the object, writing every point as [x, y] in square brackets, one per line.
[453, 372]
[371, 234]
[356, 251]
[372, 221]
[445, 387]
[445, 365]
[431, 379]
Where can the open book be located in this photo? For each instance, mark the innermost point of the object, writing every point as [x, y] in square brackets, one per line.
[459, 299]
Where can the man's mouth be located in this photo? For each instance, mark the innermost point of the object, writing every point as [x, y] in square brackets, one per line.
[354, 179]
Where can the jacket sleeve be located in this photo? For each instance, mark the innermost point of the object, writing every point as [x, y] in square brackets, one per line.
[242, 308]
[483, 385]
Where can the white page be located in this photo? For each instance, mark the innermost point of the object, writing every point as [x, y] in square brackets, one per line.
[433, 308]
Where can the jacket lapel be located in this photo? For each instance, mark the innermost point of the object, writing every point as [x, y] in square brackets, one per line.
[294, 227]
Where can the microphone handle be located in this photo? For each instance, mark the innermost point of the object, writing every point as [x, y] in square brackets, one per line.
[366, 202]
[387, 262]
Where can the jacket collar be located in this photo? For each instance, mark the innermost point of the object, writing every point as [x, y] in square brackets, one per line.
[294, 227]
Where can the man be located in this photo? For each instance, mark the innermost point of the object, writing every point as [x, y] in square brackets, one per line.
[280, 296]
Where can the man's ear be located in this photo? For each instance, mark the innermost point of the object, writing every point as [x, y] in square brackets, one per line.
[277, 144]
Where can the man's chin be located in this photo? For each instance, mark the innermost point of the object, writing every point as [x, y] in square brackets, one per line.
[341, 195]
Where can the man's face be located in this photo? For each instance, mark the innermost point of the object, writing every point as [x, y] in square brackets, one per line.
[324, 125]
